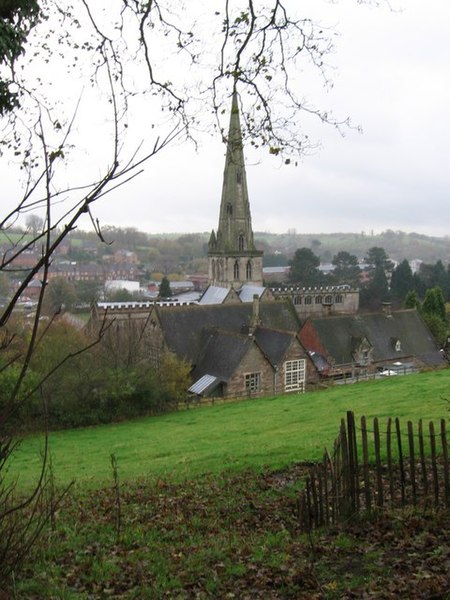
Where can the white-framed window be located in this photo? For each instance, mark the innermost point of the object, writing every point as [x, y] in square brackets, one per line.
[294, 375]
[252, 382]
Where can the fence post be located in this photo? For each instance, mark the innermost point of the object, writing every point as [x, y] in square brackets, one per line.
[445, 465]
[423, 464]
[325, 485]
[365, 449]
[400, 460]
[344, 505]
[389, 461]
[412, 464]
[334, 491]
[376, 435]
[434, 464]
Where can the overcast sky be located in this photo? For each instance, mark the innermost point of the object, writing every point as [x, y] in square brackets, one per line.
[393, 78]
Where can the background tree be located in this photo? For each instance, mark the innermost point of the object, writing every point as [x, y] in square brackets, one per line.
[60, 296]
[376, 289]
[304, 267]
[434, 303]
[164, 288]
[434, 313]
[402, 281]
[346, 268]
[34, 224]
[412, 300]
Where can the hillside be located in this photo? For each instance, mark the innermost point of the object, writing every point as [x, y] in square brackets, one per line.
[194, 515]
[273, 432]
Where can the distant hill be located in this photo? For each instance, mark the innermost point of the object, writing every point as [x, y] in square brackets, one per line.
[398, 244]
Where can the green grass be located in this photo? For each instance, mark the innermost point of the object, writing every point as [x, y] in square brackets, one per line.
[270, 432]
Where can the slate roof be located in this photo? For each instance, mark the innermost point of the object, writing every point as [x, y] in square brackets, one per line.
[214, 294]
[273, 343]
[337, 333]
[222, 353]
[183, 325]
[247, 292]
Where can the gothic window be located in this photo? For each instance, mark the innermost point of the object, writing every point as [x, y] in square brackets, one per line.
[328, 299]
[229, 208]
[338, 299]
[308, 300]
[236, 270]
[294, 375]
[214, 270]
[297, 299]
[239, 177]
[318, 299]
[249, 269]
[241, 242]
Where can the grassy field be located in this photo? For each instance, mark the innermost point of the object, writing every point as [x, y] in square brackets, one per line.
[272, 432]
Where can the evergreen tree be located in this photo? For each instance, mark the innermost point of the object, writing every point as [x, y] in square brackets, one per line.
[376, 290]
[434, 304]
[346, 268]
[412, 300]
[402, 280]
[304, 267]
[164, 288]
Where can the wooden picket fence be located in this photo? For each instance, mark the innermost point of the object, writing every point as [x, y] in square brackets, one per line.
[387, 469]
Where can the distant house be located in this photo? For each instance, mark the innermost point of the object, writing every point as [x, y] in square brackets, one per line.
[360, 344]
[125, 256]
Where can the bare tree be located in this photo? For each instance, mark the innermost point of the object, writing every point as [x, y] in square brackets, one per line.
[184, 60]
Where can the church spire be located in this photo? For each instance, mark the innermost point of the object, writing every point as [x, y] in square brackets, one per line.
[233, 258]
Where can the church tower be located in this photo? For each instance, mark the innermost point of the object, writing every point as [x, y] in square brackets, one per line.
[233, 259]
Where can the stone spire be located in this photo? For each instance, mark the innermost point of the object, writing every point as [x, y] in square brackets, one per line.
[233, 258]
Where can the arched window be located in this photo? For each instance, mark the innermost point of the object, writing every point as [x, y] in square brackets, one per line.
[338, 299]
[249, 270]
[308, 300]
[229, 208]
[238, 177]
[318, 300]
[297, 299]
[241, 242]
[213, 265]
[328, 299]
[236, 269]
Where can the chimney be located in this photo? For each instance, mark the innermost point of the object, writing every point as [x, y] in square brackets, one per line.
[255, 320]
[387, 308]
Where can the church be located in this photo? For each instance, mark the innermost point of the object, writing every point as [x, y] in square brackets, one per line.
[244, 339]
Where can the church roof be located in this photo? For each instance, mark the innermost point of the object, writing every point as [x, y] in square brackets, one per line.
[183, 325]
[247, 292]
[214, 294]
